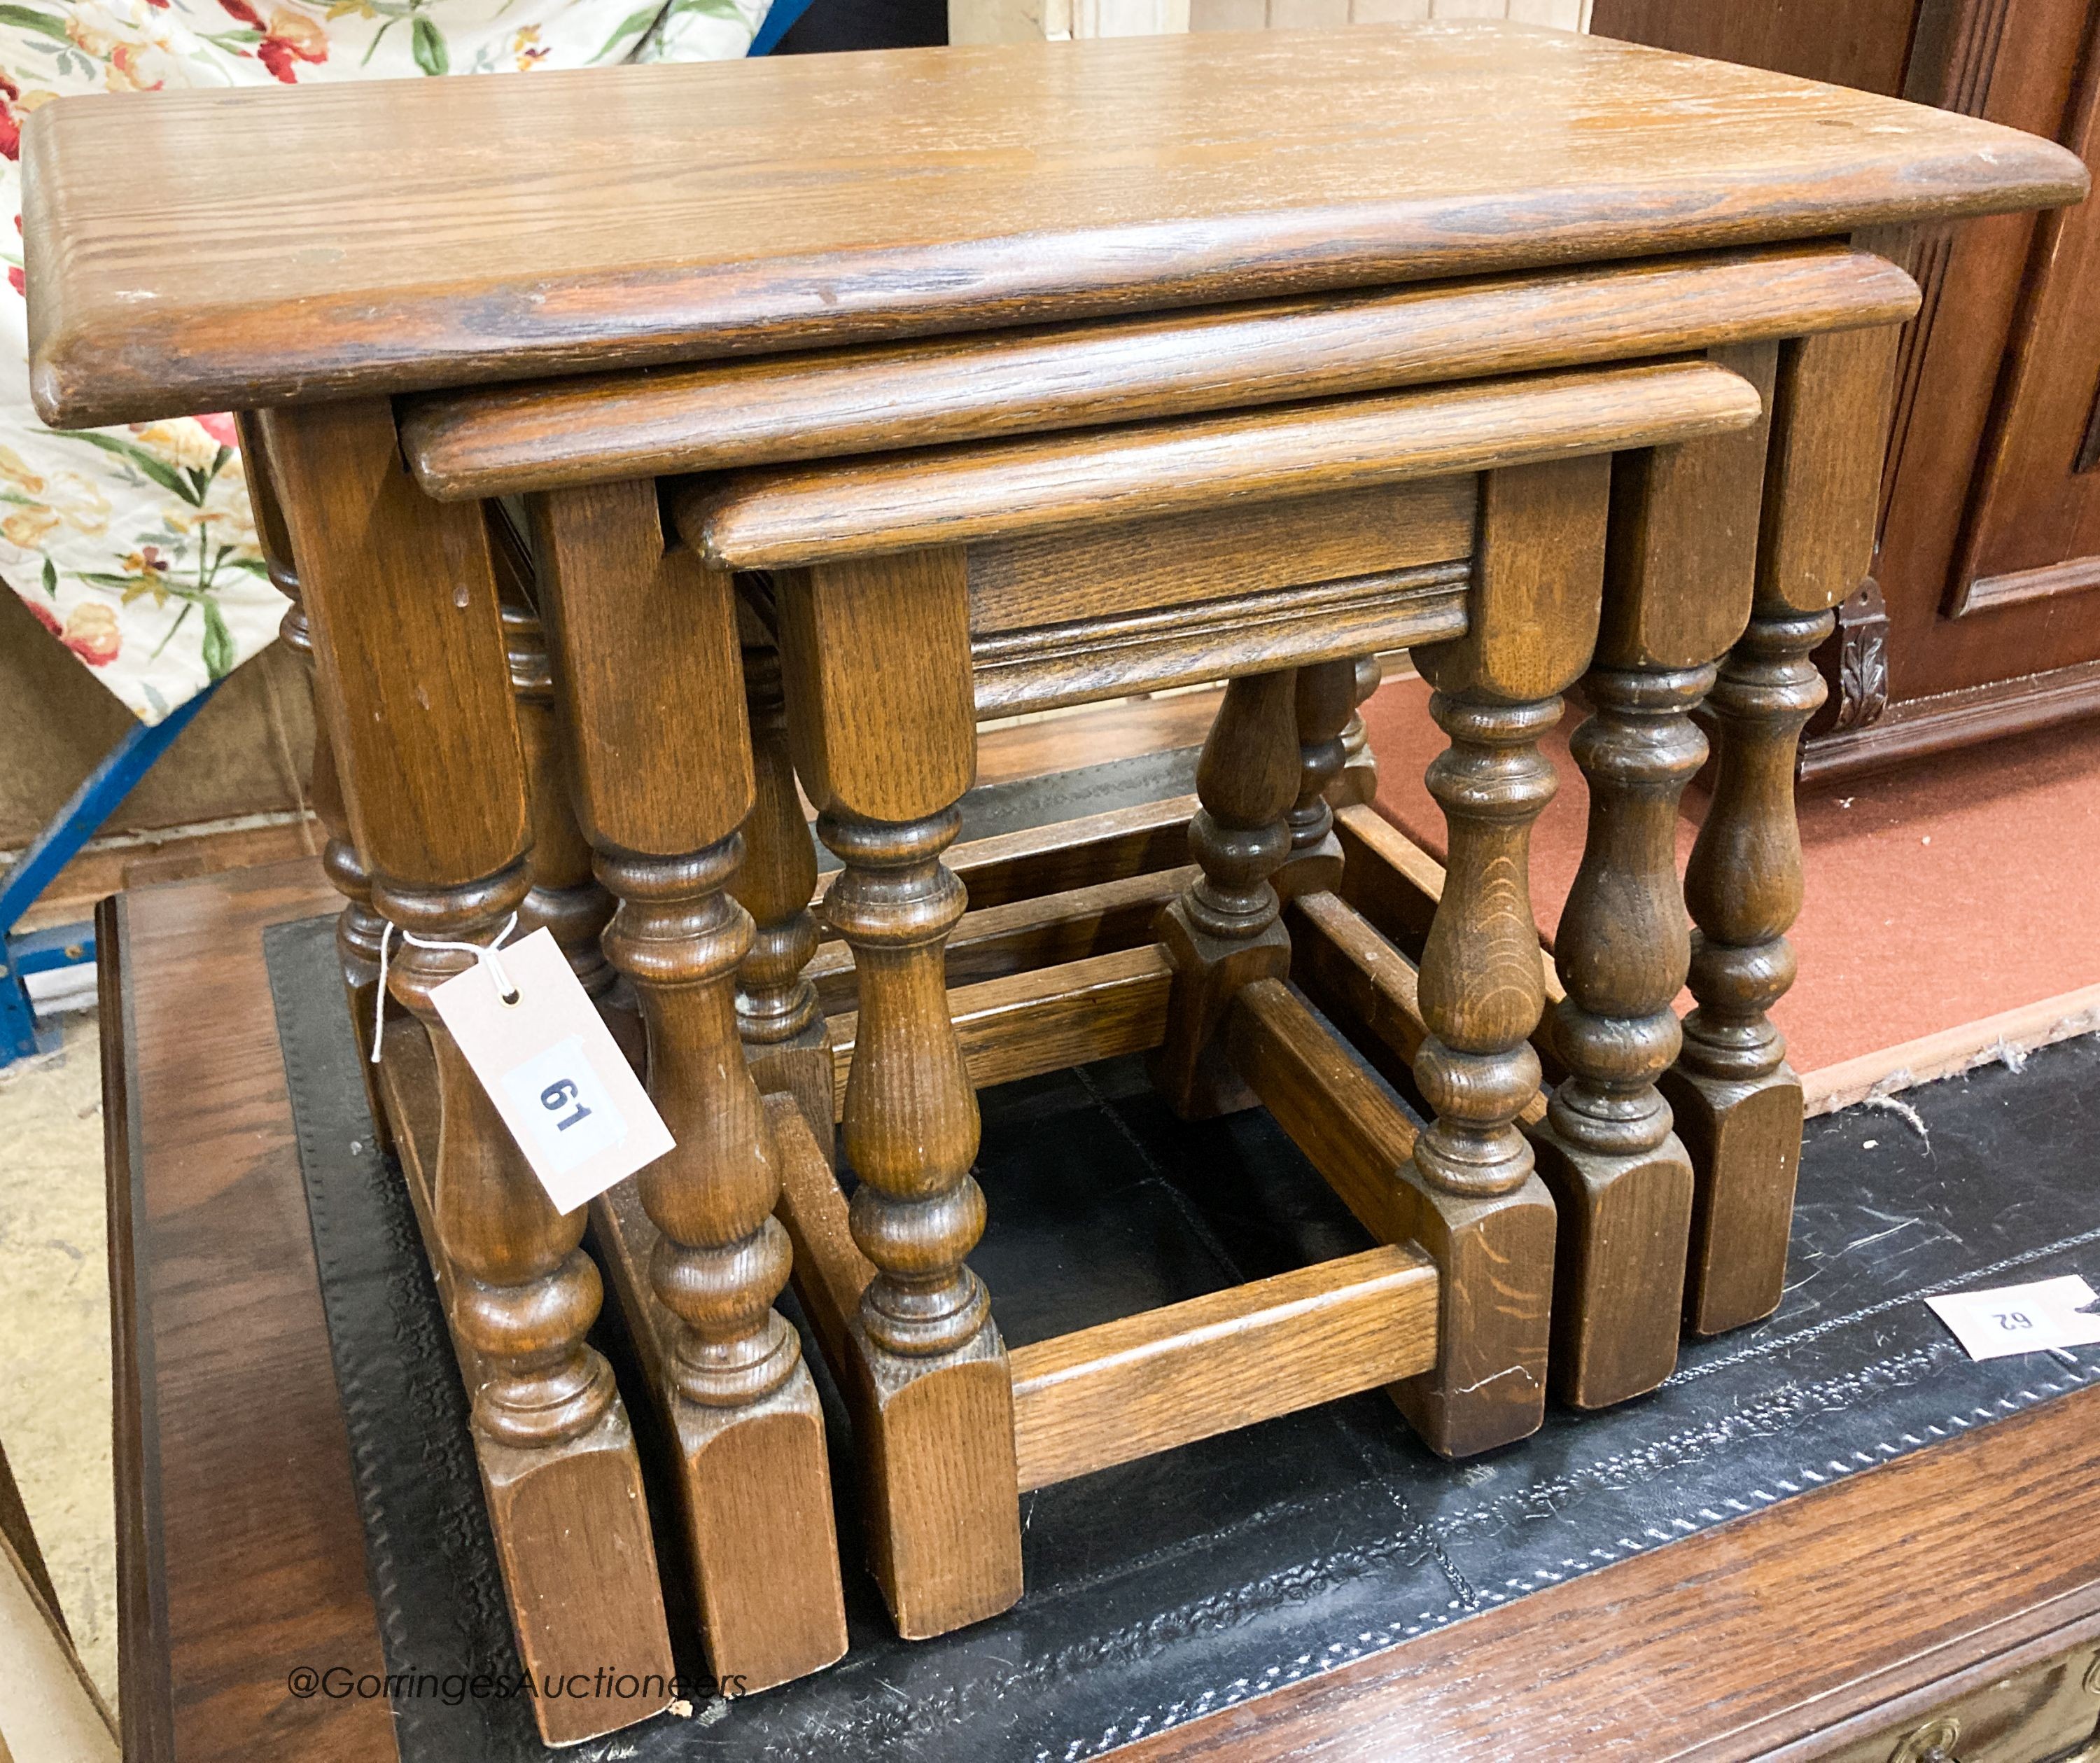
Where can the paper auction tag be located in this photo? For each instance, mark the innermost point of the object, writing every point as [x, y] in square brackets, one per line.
[2021, 1318]
[550, 1064]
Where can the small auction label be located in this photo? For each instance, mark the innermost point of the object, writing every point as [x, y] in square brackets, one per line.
[554, 1072]
[2021, 1318]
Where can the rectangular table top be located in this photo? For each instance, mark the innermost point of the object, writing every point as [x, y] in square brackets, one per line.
[395, 235]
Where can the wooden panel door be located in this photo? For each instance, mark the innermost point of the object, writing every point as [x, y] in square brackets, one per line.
[2034, 531]
[1982, 442]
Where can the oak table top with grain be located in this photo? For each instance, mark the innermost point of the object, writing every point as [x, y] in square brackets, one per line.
[414, 235]
[1782, 1634]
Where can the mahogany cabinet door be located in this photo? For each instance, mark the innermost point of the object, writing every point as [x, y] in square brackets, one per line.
[2034, 534]
[1993, 400]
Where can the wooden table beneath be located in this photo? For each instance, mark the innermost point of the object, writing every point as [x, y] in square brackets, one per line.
[1793, 1633]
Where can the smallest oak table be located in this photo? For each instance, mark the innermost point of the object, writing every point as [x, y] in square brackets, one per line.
[652, 440]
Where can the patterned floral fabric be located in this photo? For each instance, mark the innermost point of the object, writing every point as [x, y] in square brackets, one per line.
[135, 546]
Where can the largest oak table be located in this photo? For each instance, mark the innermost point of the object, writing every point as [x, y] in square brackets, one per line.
[614, 223]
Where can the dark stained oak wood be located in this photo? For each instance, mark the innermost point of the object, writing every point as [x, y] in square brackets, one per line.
[1738, 1102]
[751, 1471]
[416, 690]
[1395, 886]
[1493, 1253]
[1354, 1133]
[1681, 561]
[777, 1010]
[1045, 1019]
[791, 516]
[1822, 491]
[1229, 550]
[1362, 982]
[1617, 1172]
[1681, 551]
[1327, 698]
[566, 896]
[1540, 581]
[962, 189]
[372, 546]
[1224, 931]
[1358, 782]
[1067, 925]
[360, 930]
[503, 440]
[938, 567]
[1112, 845]
[1321, 622]
[875, 658]
[579, 1586]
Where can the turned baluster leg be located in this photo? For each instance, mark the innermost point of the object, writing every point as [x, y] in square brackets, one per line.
[1225, 932]
[357, 928]
[413, 689]
[882, 719]
[1327, 697]
[523, 1292]
[1680, 570]
[1358, 782]
[1619, 1177]
[648, 677]
[1737, 1102]
[566, 898]
[1479, 1209]
[777, 1011]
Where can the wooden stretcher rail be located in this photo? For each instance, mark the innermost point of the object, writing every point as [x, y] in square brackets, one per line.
[1124, 1389]
[1030, 862]
[1045, 1019]
[508, 439]
[1143, 1384]
[1352, 972]
[995, 941]
[1391, 880]
[1350, 1128]
[792, 516]
[1395, 885]
[830, 1273]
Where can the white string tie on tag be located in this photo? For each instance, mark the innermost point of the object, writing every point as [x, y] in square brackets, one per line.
[486, 953]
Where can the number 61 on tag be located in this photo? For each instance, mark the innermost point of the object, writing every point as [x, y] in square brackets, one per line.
[573, 1118]
[551, 1066]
